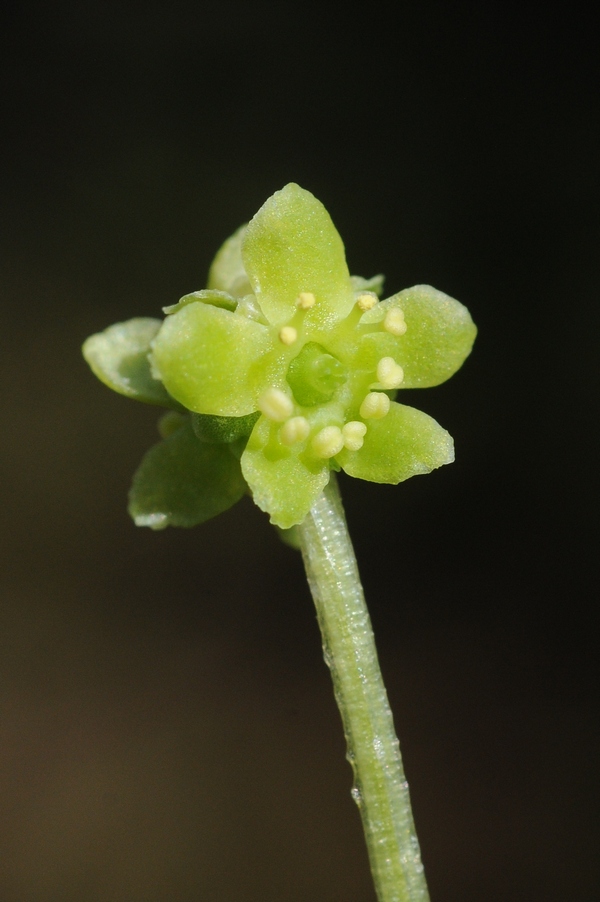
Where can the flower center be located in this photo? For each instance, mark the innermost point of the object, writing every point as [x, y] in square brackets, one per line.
[314, 375]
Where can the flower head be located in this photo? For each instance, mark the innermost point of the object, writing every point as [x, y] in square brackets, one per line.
[285, 345]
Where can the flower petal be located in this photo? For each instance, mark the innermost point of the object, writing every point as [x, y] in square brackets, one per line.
[207, 296]
[207, 358]
[119, 358]
[406, 442]
[183, 482]
[282, 484]
[227, 271]
[291, 246]
[439, 336]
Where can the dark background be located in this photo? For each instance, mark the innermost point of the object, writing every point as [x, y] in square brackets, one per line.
[168, 730]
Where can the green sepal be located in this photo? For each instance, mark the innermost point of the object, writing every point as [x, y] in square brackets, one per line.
[283, 483]
[290, 537]
[170, 422]
[208, 358]
[119, 358]
[439, 336]
[227, 271]
[183, 482]
[206, 296]
[291, 246]
[222, 430]
[404, 443]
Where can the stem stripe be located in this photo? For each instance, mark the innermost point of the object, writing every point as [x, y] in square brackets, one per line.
[380, 788]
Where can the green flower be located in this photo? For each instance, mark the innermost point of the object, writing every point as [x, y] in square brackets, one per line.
[289, 360]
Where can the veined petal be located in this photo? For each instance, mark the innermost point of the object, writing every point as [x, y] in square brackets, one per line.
[207, 358]
[281, 483]
[119, 358]
[406, 442]
[291, 247]
[439, 336]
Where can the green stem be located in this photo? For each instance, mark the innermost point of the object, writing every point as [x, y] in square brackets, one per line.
[380, 788]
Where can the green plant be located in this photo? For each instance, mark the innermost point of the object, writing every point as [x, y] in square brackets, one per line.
[282, 371]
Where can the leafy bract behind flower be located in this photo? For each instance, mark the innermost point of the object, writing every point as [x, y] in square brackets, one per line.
[289, 368]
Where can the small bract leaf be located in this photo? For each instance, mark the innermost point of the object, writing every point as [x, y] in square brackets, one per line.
[207, 359]
[182, 482]
[227, 271]
[439, 336]
[119, 358]
[404, 443]
[281, 483]
[292, 247]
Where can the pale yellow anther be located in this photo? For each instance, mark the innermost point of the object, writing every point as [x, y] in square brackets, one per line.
[328, 442]
[306, 300]
[276, 405]
[394, 322]
[366, 302]
[353, 434]
[375, 406]
[389, 373]
[295, 430]
[288, 335]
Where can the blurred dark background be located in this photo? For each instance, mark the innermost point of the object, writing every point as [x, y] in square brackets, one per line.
[167, 726]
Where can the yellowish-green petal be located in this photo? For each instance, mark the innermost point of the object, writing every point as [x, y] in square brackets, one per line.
[227, 272]
[292, 247]
[438, 338]
[119, 358]
[404, 443]
[209, 359]
[282, 484]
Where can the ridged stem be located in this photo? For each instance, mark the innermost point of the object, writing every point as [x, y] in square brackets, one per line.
[380, 788]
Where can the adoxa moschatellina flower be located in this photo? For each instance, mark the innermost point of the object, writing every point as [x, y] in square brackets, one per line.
[289, 360]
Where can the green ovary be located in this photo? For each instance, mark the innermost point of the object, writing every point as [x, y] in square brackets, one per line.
[314, 375]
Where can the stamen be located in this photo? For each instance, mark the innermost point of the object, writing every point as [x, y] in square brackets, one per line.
[366, 302]
[353, 434]
[389, 373]
[276, 405]
[375, 406]
[295, 430]
[306, 300]
[393, 321]
[288, 335]
[328, 442]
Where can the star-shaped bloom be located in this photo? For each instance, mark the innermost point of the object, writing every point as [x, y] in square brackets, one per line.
[285, 345]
